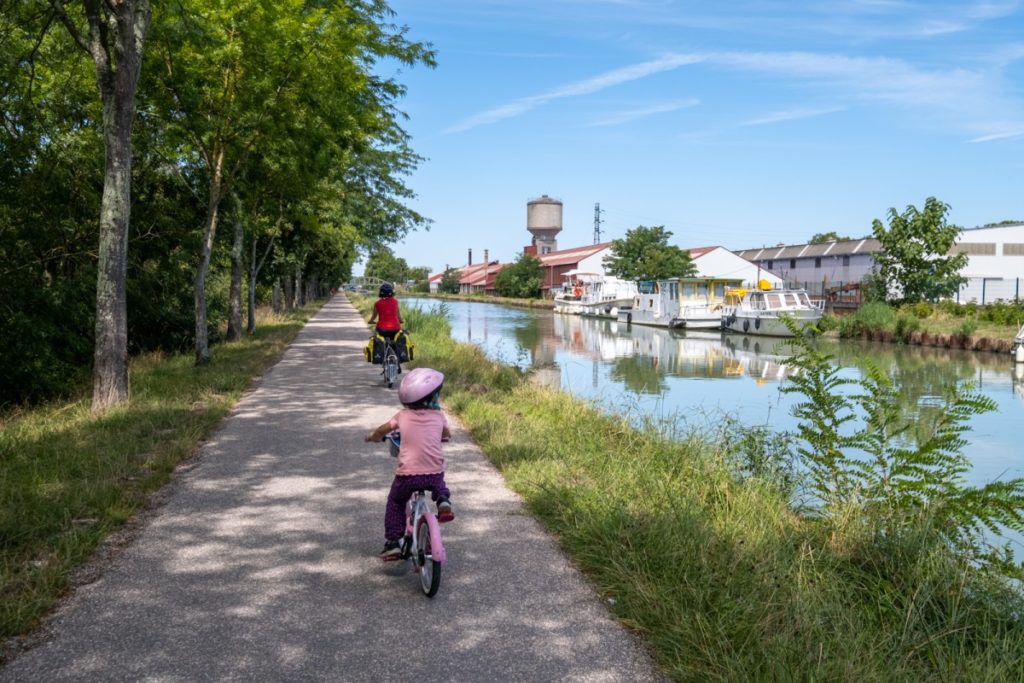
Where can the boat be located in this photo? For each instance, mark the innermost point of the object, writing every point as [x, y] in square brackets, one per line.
[593, 294]
[763, 311]
[680, 302]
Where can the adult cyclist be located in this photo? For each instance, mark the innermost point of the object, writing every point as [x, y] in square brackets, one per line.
[386, 315]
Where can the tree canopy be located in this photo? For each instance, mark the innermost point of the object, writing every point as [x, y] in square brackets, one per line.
[521, 279]
[645, 254]
[282, 117]
[449, 283]
[915, 263]
[823, 237]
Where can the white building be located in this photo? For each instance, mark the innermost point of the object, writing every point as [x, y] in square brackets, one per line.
[809, 265]
[722, 263]
[995, 269]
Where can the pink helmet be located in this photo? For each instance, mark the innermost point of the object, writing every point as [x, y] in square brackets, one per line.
[419, 384]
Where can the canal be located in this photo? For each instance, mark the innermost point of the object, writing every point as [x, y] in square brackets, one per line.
[693, 379]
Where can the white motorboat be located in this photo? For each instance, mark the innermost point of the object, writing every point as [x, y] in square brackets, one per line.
[593, 294]
[763, 311]
[679, 302]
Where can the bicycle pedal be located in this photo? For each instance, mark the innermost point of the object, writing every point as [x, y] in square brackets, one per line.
[392, 558]
[443, 517]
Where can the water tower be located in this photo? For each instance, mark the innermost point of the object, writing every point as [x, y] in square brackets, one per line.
[544, 221]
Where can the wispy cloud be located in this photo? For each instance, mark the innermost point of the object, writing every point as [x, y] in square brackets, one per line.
[966, 99]
[791, 115]
[978, 102]
[634, 114]
[1004, 135]
[584, 87]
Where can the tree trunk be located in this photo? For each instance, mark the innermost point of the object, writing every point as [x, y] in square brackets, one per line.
[117, 58]
[209, 230]
[254, 271]
[275, 302]
[235, 296]
[289, 296]
[300, 292]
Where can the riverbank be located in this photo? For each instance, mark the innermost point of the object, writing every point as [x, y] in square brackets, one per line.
[715, 568]
[948, 325]
[69, 479]
[487, 299]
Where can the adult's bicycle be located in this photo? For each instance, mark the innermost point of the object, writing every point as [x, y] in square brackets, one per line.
[421, 544]
[391, 367]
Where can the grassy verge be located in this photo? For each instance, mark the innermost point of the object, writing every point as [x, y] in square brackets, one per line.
[719, 573]
[67, 479]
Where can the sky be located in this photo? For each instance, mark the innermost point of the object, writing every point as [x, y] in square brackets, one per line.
[741, 124]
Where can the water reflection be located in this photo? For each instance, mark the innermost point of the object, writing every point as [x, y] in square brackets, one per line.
[656, 372]
[645, 372]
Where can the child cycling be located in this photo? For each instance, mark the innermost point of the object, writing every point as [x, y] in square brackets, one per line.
[423, 427]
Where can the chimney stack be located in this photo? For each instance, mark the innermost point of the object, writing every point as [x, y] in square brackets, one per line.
[487, 255]
[469, 258]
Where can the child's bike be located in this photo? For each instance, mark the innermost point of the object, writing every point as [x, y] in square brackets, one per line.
[421, 544]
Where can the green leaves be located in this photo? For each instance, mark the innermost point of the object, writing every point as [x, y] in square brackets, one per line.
[522, 279]
[915, 263]
[645, 254]
[858, 454]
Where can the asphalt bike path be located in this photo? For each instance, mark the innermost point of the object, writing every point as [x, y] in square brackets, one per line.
[262, 564]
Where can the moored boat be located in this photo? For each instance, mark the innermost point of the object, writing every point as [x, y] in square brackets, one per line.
[592, 294]
[679, 302]
[763, 311]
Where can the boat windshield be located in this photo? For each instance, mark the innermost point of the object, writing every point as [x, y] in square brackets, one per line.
[646, 286]
[792, 301]
[774, 301]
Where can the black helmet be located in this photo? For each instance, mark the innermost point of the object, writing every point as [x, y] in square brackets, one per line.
[387, 289]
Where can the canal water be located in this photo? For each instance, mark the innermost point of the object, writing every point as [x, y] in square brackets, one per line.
[693, 379]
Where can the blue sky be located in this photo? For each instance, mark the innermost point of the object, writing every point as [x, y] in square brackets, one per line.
[739, 123]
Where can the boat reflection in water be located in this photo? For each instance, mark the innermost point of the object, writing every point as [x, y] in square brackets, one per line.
[694, 354]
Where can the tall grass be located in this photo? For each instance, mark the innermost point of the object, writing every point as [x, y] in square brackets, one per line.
[68, 478]
[713, 565]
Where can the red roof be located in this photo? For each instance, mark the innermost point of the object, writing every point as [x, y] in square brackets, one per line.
[568, 256]
[478, 275]
[697, 252]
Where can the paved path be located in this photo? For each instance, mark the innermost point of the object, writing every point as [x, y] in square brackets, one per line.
[262, 564]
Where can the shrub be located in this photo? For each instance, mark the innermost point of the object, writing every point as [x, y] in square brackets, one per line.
[898, 487]
[905, 325]
[922, 309]
[966, 328]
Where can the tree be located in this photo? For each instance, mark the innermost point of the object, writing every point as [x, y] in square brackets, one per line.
[823, 237]
[915, 263]
[383, 264]
[237, 77]
[645, 254]
[522, 279]
[114, 37]
[449, 283]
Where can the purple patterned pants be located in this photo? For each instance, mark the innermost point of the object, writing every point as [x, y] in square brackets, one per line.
[402, 489]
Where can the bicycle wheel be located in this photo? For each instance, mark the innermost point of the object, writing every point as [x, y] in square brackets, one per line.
[390, 368]
[430, 570]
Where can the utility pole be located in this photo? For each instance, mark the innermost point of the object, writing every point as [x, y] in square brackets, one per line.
[597, 223]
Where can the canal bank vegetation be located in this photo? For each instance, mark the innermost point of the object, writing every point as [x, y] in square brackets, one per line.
[488, 298]
[700, 542]
[68, 478]
[991, 327]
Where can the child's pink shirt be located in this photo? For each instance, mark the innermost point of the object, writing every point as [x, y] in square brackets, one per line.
[420, 451]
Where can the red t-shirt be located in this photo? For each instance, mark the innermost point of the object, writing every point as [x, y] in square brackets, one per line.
[387, 313]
